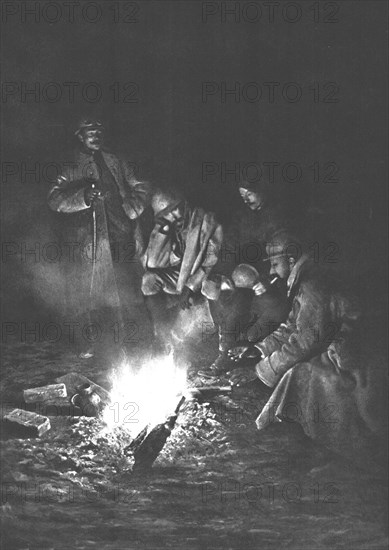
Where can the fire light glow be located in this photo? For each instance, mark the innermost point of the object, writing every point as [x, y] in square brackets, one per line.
[144, 396]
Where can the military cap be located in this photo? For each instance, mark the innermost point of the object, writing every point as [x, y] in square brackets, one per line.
[163, 202]
[283, 243]
[253, 185]
[88, 124]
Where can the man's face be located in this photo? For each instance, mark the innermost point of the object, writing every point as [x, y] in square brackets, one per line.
[91, 139]
[253, 199]
[281, 267]
[174, 217]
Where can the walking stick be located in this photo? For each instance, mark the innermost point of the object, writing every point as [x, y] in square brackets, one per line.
[89, 352]
[94, 232]
[94, 242]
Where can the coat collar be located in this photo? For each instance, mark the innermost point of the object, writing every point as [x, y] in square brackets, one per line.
[86, 155]
[296, 272]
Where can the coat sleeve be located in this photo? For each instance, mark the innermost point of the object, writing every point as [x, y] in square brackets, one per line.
[67, 196]
[278, 337]
[210, 258]
[137, 193]
[301, 338]
[158, 251]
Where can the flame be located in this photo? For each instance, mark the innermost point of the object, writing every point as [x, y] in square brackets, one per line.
[144, 396]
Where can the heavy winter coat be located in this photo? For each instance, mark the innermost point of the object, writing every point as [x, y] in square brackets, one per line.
[315, 364]
[91, 285]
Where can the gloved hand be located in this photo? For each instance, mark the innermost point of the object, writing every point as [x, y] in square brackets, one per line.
[244, 375]
[185, 297]
[244, 351]
[90, 194]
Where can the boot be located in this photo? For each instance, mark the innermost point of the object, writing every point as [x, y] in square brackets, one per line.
[222, 363]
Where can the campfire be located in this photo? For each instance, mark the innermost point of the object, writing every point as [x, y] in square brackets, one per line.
[136, 417]
[144, 395]
[144, 403]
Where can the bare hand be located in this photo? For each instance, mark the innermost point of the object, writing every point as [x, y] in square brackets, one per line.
[246, 351]
[91, 194]
[241, 376]
[259, 288]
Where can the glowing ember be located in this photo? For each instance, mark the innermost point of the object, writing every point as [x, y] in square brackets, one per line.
[144, 396]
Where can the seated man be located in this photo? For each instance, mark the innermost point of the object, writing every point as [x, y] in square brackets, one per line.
[235, 286]
[183, 247]
[313, 360]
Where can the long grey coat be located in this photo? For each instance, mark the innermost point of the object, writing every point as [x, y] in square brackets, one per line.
[92, 286]
[314, 362]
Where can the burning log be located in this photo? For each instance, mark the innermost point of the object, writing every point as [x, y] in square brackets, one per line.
[148, 444]
[25, 423]
[207, 392]
[44, 393]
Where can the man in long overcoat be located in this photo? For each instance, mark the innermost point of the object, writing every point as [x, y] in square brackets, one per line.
[314, 362]
[102, 206]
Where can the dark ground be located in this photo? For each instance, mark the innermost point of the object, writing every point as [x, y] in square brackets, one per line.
[218, 483]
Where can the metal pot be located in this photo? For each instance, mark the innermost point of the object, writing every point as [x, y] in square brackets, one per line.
[87, 400]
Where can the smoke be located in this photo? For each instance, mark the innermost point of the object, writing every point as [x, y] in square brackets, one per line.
[33, 278]
[46, 272]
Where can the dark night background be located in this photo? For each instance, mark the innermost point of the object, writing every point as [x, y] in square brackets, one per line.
[169, 132]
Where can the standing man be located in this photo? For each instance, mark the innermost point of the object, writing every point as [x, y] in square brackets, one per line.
[239, 306]
[103, 207]
[183, 247]
[313, 361]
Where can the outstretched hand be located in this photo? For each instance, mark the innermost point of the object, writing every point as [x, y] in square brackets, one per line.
[244, 351]
[241, 376]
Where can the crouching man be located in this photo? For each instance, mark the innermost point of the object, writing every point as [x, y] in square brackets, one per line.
[313, 361]
[239, 307]
[184, 246]
[247, 306]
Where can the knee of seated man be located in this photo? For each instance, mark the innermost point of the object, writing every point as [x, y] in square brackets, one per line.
[150, 284]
